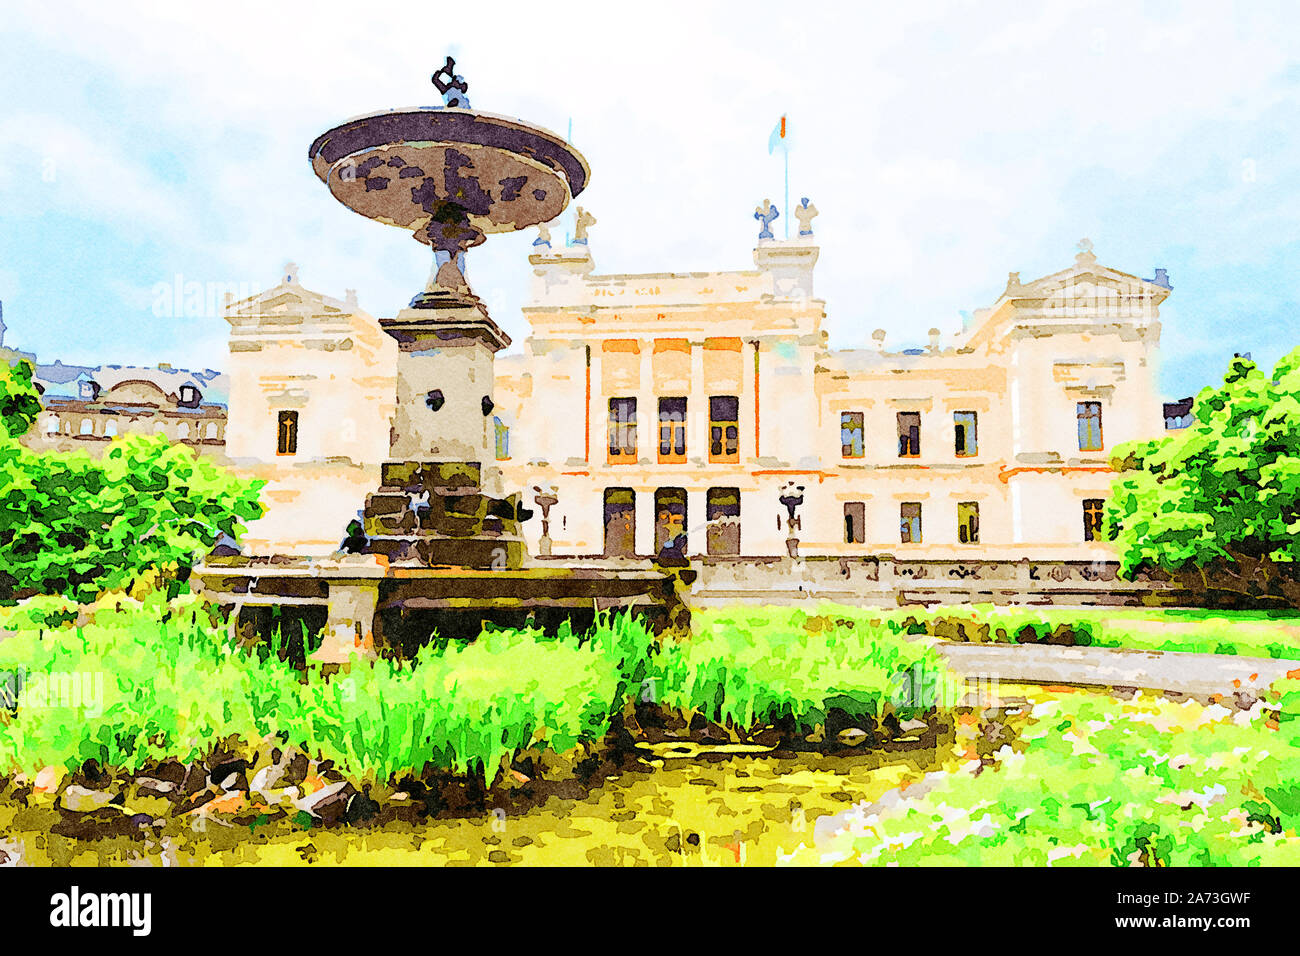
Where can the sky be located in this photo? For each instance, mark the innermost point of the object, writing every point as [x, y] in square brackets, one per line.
[945, 144]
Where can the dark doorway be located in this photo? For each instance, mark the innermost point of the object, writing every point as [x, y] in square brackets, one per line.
[722, 509]
[620, 522]
[670, 517]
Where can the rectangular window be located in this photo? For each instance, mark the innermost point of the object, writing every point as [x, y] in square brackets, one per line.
[851, 434]
[1089, 426]
[909, 526]
[968, 522]
[672, 430]
[502, 433]
[724, 428]
[909, 434]
[622, 430]
[722, 512]
[286, 442]
[1093, 508]
[964, 429]
[855, 522]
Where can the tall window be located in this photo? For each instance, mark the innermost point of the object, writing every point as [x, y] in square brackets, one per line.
[1089, 426]
[909, 524]
[964, 429]
[909, 434]
[286, 442]
[622, 430]
[1092, 516]
[851, 434]
[672, 430]
[501, 432]
[855, 522]
[968, 522]
[724, 428]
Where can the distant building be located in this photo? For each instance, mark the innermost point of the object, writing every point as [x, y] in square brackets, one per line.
[85, 408]
[1179, 414]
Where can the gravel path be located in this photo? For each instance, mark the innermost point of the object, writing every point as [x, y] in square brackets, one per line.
[1198, 675]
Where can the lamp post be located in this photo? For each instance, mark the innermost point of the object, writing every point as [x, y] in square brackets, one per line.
[545, 500]
[791, 497]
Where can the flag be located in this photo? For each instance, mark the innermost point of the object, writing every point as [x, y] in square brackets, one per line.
[778, 137]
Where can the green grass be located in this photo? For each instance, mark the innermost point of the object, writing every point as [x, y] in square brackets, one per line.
[1094, 781]
[158, 680]
[749, 667]
[1249, 633]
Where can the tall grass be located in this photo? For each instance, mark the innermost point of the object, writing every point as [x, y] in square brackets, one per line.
[746, 667]
[158, 680]
[173, 686]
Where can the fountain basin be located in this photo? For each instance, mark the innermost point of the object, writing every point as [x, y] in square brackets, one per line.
[440, 166]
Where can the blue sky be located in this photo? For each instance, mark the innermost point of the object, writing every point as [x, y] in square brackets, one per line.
[944, 144]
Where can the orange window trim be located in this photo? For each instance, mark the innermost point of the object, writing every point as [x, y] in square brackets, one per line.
[622, 345]
[722, 344]
[672, 345]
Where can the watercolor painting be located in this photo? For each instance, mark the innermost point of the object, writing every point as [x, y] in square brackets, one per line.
[747, 464]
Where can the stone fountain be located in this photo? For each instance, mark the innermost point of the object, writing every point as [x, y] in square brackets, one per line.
[439, 537]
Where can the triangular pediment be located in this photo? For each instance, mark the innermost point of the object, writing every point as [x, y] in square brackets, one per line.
[290, 298]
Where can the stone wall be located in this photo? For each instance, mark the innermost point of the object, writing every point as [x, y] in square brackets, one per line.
[886, 582]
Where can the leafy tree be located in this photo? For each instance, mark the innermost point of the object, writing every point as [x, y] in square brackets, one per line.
[1218, 504]
[20, 403]
[75, 526]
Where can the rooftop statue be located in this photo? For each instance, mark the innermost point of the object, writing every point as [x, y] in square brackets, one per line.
[766, 214]
[580, 226]
[805, 212]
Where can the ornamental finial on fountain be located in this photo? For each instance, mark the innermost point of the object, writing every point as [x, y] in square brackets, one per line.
[453, 87]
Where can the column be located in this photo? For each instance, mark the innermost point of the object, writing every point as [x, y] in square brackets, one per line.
[645, 521]
[350, 622]
[596, 411]
[647, 406]
[697, 533]
[697, 408]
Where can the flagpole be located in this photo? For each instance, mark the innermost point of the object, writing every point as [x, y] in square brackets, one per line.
[787, 191]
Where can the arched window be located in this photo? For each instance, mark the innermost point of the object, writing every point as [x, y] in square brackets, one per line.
[110, 428]
[183, 430]
[87, 426]
[212, 430]
[52, 425]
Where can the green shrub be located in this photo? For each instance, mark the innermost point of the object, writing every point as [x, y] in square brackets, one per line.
[75, 526]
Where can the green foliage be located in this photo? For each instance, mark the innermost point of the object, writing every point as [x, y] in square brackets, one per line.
[1094, 781]
[75, 526]
[1272, 633]
[749, 667]
[20, 403]
[157, 680]
[171, 684]
[1221, 498]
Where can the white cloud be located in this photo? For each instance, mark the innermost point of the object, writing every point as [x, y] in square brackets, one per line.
[943, 144]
